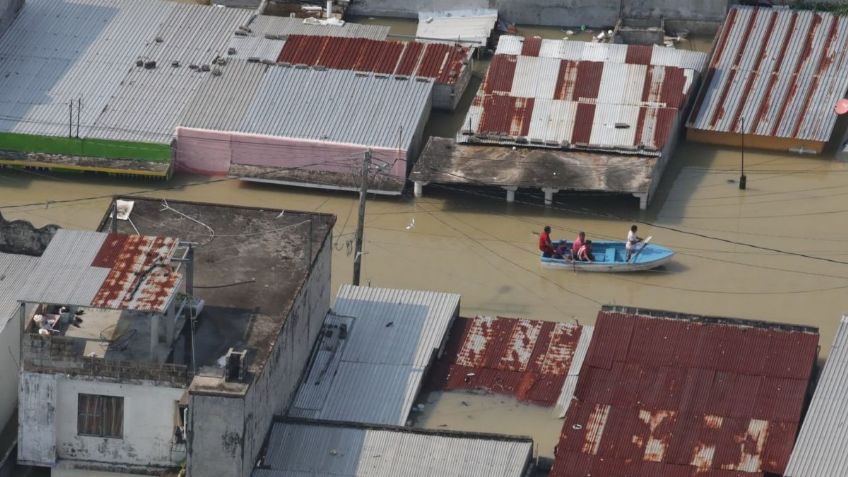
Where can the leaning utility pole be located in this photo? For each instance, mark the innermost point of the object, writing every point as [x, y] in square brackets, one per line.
[360, 225]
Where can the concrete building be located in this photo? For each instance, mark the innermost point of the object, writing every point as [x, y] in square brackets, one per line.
[773, 81]
[168, 354]
[471, 27]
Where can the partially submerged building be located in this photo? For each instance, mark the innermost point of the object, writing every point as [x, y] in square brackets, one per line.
[664, 393]
[773, 81]
[101, 85]
[471, 27]
[449, 66]
[307, 126]
[578, 113]
[139, 357]
[821, 444]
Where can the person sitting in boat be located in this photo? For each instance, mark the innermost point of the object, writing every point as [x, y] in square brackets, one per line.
[632, 240]
[585, 252]
[547, 247]
[578, 242]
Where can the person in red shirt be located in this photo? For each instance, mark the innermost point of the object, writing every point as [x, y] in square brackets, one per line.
[585, 252]
[546, 246]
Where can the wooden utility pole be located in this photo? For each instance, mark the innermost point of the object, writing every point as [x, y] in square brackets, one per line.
[360, 225]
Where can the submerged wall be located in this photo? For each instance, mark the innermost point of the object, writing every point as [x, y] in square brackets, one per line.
[84, 147]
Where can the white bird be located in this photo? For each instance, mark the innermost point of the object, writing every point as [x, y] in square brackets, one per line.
[281, 214]
[411, 224]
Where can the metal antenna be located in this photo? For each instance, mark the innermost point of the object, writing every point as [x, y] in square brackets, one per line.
[360, 225]
[743, 181]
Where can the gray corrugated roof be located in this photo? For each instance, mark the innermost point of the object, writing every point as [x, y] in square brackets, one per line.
[472, 26]
[339, 106]
[313, 449]
[14, 271]
[823, 439]
[781, 70]
[148, 103]
[64, 274]
[374, 374]
[57, 51]
[222, 101]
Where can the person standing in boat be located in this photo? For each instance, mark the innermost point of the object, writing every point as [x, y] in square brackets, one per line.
[632, 240]
[546, 246]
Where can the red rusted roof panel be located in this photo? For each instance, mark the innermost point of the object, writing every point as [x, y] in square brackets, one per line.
[639, 54]
[525, 358]
[667, 394]
[140, 275]
[531, 46]
[443, 63]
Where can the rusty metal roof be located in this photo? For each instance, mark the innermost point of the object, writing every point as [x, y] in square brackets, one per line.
[529, 359]
[781, 70]
[100, 270]
[443, 63]
[663, 393]
[583, 105]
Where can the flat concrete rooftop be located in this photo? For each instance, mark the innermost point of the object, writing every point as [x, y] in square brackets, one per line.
[249, 265]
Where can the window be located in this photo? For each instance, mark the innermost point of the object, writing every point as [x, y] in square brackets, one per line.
[101, 416]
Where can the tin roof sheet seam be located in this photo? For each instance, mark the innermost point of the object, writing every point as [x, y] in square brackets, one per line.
[14, 271]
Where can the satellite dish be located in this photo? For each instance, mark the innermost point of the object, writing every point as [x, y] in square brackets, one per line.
[841, 106]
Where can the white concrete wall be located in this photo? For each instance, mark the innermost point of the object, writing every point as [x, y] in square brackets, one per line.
[59, 472]
[37, 419]
[10, 352]
[149, 412]
[228, 433]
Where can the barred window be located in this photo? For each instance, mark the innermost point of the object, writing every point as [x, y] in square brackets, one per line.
[100, 416]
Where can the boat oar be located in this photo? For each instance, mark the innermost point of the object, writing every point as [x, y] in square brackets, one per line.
[644, 244]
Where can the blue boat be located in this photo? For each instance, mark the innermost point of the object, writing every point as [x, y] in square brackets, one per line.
[609, 257]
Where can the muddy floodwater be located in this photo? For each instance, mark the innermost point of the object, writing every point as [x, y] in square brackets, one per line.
[476, 244]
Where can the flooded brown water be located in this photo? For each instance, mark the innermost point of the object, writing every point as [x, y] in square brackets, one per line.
[475, 244]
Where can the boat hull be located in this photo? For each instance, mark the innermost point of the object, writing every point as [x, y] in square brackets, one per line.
[609, 258]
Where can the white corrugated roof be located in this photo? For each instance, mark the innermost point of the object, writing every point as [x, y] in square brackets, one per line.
[820, 449]
[14, 271]
[312, 449]
[470, 26]
[372, 371]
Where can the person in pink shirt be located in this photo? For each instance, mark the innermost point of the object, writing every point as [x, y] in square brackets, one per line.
[578, 242]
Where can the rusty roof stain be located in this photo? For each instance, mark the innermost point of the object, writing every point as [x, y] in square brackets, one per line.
[529, 359]
[438, 61]
[677, 395]
[140, 273]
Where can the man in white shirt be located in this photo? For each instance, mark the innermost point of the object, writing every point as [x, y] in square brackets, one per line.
[632, 240]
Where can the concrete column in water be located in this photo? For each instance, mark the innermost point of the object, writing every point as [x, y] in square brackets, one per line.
[549, 195]
[154, 334]
[418, 189]
[643, 200]
[510, 193]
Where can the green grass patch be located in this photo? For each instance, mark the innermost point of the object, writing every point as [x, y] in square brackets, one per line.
[86, 147]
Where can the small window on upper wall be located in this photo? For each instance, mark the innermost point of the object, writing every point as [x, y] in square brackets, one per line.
[100, 416]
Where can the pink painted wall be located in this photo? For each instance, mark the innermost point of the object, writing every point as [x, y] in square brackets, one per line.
[211, 153]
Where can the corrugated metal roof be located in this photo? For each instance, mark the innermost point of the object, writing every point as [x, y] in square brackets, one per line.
[264, 36]
[823, 439]
[604, 52]
[469, 26]
[220, 102]
[302, 448]
[588, 105]
[148, 103]
[14, 271]
[95, 269]
[781, 70]
[526, 358]
[440, 62]
[56, 52]
[663, 393]
[338, 106]
[372, 356]
[566, 394]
